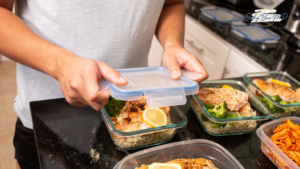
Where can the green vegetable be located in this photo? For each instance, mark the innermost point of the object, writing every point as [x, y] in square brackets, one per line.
[274, 109]
[276, 98]
[231, 115]
[220, 110]
[283, 102]
[114, 107]
[218, 125]
[293, 102]
[203, 117]
[208, 106]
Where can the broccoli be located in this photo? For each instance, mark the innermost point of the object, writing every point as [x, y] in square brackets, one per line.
[220, 110]
[208, 106]
[293, 102]
[276, 98]
[283, 102]
[114, 107]
[218, 125]
[231, 115]
[203, 117]
[295, 108]
[274, 109]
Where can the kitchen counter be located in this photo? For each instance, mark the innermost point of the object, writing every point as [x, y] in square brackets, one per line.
[65, 136]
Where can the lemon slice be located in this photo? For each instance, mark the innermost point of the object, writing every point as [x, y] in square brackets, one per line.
[155, 117]
[226, 86]
[164, 166]
[285, 84]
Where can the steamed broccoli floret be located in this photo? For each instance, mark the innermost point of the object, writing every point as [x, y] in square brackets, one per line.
[276, 98]
[208, 106]
[114, 107]
[220, 110]
[283, 102]
[231, 115]
[203, 117]
[293, 102]
[218, 125]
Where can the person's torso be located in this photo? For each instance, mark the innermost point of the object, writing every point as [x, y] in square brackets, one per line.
[116, 32]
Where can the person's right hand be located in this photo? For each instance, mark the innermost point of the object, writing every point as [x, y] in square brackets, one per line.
[78, 78]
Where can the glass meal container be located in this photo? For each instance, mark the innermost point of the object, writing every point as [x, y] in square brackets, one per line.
[198, 148]
[157, 89]
[278, 109]
[240, 124]
[277, 156]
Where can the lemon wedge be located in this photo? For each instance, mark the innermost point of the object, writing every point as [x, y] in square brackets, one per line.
[226, 86]
[164, 166]
[155, 117]
[285, 84]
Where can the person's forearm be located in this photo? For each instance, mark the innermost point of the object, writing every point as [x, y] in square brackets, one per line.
[170, 27]
[19, 43]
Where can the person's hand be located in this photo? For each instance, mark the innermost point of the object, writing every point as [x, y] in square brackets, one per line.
[78, 78]
[177, 57]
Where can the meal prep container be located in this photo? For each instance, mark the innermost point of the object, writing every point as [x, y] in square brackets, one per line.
[219, 19]
[278, 75]
[255, 35]
[197, 148]
[262, 113]
[277, 156]
[147, 137]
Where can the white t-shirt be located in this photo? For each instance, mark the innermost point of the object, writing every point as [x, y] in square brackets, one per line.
[117, 32]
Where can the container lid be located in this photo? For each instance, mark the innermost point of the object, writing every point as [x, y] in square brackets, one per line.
[156, 84]
[255, 33]
[221, 15]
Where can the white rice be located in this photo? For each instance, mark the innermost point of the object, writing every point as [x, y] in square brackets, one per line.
[291, 112]
[238, 127]
[143, 140]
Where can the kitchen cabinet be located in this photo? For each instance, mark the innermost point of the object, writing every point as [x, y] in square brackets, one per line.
[155, 53]
[210, 49]
[238, 64]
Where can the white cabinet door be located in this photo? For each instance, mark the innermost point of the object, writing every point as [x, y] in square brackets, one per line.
[155, 53]
[210, 50]
[237, 65]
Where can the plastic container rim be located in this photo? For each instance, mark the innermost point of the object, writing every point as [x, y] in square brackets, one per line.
[268, 142]
[265, 94]
[175, 144]
[112, 128]
[208, 115]
[204, 11]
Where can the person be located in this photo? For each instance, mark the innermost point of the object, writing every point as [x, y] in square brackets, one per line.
[63, 48]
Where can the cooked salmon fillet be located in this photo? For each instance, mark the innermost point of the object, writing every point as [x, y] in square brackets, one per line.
[189, 163]
[234, 99]
[286, 94]
[131, 116]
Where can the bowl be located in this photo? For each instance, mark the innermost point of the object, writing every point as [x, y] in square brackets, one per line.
[277, 156]
[234, 126]
[198, 148]
[146, 137]
[292, 109]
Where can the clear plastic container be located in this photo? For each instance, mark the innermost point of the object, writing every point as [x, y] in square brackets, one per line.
[294, 109]
[146, 137]
[277, 156]
[241, 125]
[197, 148]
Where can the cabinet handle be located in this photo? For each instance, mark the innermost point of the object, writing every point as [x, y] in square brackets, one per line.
[192, 44]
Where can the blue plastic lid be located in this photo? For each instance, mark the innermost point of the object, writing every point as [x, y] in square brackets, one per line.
[156, 84]
[221, 15]
[255, 33]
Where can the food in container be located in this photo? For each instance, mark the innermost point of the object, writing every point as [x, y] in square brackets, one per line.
[279, 141]
[130, 119]
[278, 91]
[149, 90]
[204, 150]
[225, 107]
[182, 163]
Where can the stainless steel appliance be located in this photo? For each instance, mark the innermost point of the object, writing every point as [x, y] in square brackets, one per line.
[293, 26]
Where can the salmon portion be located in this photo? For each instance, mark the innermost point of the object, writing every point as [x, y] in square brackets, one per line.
[234, 99]
[286, 94]
[131, 116]
[189, 163]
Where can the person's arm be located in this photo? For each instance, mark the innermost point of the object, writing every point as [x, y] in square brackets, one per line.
[170, 33]
[77, 76]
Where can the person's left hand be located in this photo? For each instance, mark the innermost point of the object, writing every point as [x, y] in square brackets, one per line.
[177, 57]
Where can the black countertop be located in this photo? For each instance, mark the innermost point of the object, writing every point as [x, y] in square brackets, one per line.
[65, 136]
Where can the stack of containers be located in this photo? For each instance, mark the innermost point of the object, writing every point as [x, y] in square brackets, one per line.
[159, 89]
[232, 126]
